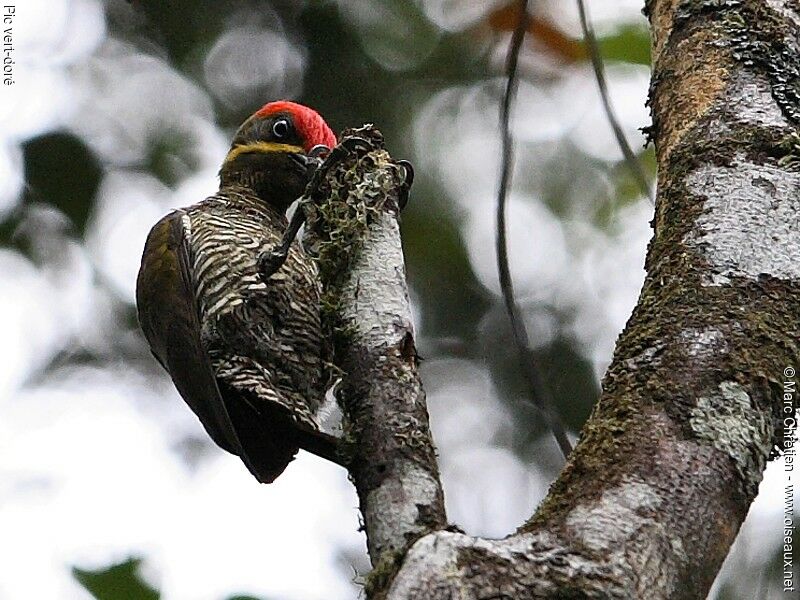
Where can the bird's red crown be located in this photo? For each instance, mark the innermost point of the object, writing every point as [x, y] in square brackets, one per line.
[309, 123]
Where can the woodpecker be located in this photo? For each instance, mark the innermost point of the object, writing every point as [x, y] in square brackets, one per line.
[243, 346]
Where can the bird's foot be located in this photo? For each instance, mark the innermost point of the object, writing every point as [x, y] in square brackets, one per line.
[342, 150]
[406, 185]
[320, 151]
[314, 159]
[321, 159]
[269, 262]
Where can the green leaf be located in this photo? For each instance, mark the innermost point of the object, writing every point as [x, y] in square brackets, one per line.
[629, 43]
[118, 582]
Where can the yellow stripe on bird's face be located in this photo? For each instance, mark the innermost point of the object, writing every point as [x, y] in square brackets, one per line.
[263, 147]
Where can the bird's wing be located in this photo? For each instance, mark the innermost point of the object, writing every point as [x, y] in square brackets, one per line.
[169, 317]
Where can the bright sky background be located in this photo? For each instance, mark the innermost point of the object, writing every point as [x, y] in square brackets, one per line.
[89, 474]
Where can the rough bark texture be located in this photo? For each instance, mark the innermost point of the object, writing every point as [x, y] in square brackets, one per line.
[353, 230]
[654, 494]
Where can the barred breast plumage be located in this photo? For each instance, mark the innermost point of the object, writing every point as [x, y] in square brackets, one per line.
[259, 340]
[263, 337]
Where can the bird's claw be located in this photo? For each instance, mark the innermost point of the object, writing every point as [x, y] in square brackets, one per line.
[315, 157]
[270, 262]
[346, 146]
[354, 143]
[320, 151]
[327, 158]
[321, 159]
[406, 185]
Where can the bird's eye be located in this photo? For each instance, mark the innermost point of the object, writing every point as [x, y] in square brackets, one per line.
[281, 128]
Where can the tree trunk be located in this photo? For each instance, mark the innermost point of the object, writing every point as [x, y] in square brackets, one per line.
[693, 403]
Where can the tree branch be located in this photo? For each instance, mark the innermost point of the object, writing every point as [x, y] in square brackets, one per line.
[653, 495]
[352, 229]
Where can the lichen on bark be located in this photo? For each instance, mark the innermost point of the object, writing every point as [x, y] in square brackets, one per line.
[353, 232]
[666, 467]
[724, 260]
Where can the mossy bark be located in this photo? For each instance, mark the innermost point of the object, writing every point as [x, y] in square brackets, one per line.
[352, 230]
[692, 405]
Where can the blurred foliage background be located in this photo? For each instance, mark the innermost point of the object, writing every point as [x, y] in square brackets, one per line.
[109, 488]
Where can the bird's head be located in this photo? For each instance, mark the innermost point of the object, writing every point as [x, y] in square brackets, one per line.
[270, 150]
